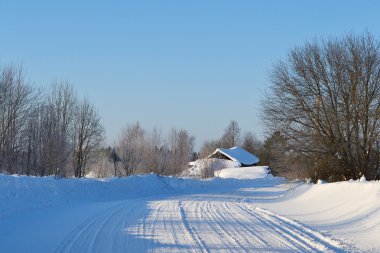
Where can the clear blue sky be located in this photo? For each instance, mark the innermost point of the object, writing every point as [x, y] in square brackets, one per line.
[186, 64]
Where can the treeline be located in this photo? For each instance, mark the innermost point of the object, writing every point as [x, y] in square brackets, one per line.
[138, 151]
[45, 133]
[54, 132]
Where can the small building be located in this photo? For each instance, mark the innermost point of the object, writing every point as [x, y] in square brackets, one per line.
[221, 158]
[236, 154]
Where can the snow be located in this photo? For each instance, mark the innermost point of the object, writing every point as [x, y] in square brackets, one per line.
[213, 164]
[244, 172]
[349, 210]
[238, 154]
[151, 213]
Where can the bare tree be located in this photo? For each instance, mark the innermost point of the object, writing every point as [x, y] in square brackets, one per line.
[50, 131]
[325, 99]
[33, 159]
[39, 135]
[50, 139]
[131, 148]
[62, 101]
[156, 154]
[152, 152]
[251, 143]
[231, 136]
[181, 147]
[17, 100]
[209, 147]
[88, 134]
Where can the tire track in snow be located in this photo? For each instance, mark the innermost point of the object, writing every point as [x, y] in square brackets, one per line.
[249, 227]
[201, 246]
[82, 233]
[272, 233]
[103, 232]
[305, 238]
[242, 234]
[134, 227]
[194, 224]
[229, 237]
[179, 229]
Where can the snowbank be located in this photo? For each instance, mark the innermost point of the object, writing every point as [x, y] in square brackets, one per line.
[19, 193]
[348, 209]
[244, 172]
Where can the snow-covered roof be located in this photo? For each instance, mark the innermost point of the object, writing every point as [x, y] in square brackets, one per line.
[238, 154]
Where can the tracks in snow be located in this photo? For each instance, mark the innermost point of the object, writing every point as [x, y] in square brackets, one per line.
[194, 224]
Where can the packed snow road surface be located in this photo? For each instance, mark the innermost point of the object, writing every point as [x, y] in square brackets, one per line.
[170, 224]
[193, 225]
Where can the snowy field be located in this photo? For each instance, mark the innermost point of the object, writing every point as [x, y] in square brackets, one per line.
[167, 214]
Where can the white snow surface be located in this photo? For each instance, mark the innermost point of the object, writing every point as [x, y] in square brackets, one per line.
[168, 214]
[238, 154]
[244, 172]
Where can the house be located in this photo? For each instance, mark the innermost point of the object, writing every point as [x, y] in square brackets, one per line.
[236, 154]
[221, 158]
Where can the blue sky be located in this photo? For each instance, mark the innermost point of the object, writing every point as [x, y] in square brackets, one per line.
[186, 64]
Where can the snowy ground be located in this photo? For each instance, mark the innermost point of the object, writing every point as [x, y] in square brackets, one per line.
[167, 214]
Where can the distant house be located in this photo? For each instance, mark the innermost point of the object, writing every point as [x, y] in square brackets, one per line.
[236, 154]
[221, 158]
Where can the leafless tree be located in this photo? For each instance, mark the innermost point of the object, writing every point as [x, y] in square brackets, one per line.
[17, 99]
[142, 152]
[251, 143]
[63, 99]
[181, 146]
[100, 163]
[88, 134]
[33, 157]
[208, 148]
[325, 100]
[40, 133]
[131, 148]
[50, 141]
[231, 136]
[56, 128]
[156, 154]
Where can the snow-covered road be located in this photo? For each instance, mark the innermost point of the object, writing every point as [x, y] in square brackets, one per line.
[188, 223]
[167, 214]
